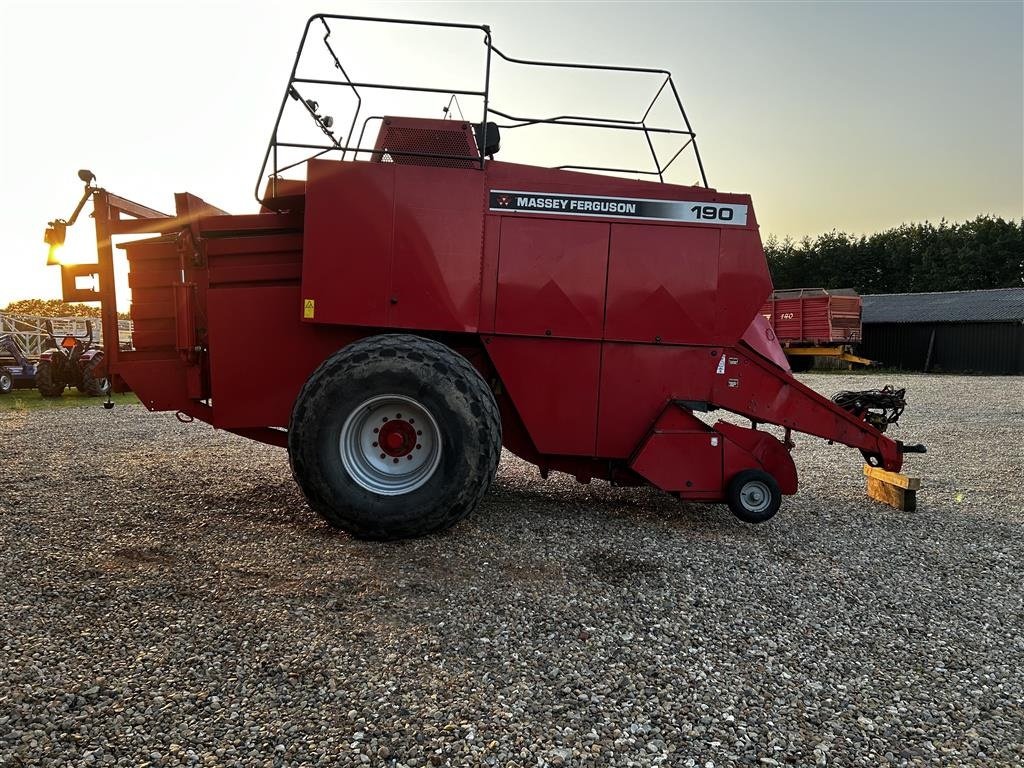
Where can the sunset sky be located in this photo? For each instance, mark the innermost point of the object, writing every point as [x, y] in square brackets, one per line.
[855, 116]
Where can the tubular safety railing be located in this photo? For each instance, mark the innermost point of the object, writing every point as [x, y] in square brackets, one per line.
[271, 168]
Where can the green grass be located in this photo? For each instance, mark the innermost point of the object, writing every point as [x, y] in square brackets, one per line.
[31, 400]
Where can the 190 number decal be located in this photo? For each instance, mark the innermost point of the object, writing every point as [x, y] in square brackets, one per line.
[712, 212]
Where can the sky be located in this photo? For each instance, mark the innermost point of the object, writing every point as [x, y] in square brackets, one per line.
[848, 116]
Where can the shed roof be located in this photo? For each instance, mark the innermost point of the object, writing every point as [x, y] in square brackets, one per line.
[992, 306]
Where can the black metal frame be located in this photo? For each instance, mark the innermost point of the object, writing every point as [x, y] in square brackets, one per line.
[270, 158]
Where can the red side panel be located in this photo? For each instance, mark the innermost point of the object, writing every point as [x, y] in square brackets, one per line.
[744, 281]
[845, 318]
[435, 281]
[791, 317]
[160, 383]
[636, 383]
[662, 284]
[348, 239]
[681, 454]
[260, 350]
[394, 246]
[551, 278]
[554, 386]
[261, 353]
[154, 268]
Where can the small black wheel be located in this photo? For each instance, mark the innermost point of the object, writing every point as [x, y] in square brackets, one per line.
[754, 496]
[94, 378]
[6, 381]
[48, 378]
[394, 436]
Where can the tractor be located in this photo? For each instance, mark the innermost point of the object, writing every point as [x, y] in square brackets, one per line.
[72, 362]
[438, 304]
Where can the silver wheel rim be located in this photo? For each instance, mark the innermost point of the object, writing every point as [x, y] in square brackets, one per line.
[756, 496]
[104, 384]
[6, 382]
[390, 445]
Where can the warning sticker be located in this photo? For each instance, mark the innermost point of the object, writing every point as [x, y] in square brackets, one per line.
[721, 366]
[308, 309]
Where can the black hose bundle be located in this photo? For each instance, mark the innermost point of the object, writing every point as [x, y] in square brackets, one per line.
[878, 407]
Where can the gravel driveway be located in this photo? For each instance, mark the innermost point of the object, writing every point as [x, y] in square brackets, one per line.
[169, 600]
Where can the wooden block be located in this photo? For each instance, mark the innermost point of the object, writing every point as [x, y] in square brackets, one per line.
[892, 488]
[893, 478]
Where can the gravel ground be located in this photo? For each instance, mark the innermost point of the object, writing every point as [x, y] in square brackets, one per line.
[169, 600]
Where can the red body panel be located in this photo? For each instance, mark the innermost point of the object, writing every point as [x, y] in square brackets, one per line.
[384, 249]
[551, 278]
[663, 284]
[600, 333]
[682, 454]
[560, 415]
[637, 380]
[814, 316]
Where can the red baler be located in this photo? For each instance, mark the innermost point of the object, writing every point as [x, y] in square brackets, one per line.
[434, 304]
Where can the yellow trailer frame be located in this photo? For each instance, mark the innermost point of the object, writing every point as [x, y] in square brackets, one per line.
[842, 353]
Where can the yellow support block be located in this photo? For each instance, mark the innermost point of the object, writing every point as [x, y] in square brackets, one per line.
[892, 488]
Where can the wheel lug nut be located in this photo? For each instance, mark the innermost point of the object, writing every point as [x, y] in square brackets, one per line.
[375, 445]
[376, 430]
[396, 461]
[418, 446]
[383, 456]
[419, 431]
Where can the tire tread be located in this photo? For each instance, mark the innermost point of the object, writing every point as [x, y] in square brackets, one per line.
[435, 360]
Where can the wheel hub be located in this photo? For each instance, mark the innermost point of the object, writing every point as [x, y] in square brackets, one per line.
[397, 438]
[755, 496]
[390, 445]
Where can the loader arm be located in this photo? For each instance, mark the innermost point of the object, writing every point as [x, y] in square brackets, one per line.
[12, 348]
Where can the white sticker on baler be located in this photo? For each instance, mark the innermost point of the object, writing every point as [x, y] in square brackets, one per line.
[557, 203]
[721, 366]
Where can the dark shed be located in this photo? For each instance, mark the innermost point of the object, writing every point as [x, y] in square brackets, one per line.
[954, 331]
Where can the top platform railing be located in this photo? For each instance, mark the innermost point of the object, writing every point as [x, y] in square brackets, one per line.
[344, 146]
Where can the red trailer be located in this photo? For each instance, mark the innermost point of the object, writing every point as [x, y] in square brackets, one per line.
[433, 304]
[815, 322]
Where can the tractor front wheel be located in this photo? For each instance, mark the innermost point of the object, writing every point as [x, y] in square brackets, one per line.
[394, 436]
[94, 378]
[754, 496]
[48, 379]
[6, 381]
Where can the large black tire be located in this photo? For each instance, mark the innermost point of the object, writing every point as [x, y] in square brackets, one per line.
[347, 402]
[49, 381]
[754, 496]
[94, 378]
[6, 381]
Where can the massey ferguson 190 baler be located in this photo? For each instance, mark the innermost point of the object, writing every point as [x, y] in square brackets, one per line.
[427, 304]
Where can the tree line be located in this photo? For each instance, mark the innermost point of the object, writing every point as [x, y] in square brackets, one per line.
[55, 308]
[987, 252]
